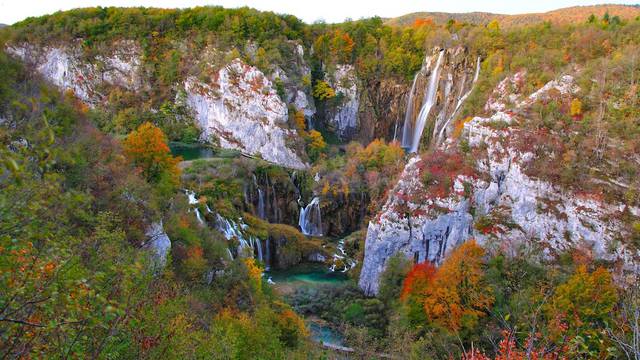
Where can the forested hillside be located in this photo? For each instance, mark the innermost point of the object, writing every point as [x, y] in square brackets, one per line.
[236, 184]
[571, 15]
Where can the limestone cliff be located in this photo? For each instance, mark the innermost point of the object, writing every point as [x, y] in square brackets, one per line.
[240, 108]
[66, 67]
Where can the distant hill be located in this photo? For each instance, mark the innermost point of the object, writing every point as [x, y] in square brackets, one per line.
[568, 15]
[3, 25]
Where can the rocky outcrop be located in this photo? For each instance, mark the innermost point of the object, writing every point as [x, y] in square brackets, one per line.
[343, 119]
[344, 213]
[292, 78]
[65, 67]
[420, 227]
[383, 104]
[159, 245]
[241, 109]
[497, 203]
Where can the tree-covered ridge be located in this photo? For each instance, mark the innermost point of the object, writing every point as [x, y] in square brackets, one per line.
[574, 14]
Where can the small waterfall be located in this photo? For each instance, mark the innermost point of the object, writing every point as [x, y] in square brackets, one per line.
[191, 195]
[461, 100]
[274, 204]
[258, 246]
[407, 128]
[411, 137]
[310, 218]
[260, 204]
[267, 259]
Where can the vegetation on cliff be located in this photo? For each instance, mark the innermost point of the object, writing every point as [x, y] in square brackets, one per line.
[80, 186]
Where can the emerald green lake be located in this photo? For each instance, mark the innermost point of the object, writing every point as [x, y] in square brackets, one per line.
[308, 275]
[191, 152]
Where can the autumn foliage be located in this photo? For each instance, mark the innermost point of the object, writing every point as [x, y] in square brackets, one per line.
[418, 280]
[146, 147]
[509, 350]
[453, 296]
[439, 169]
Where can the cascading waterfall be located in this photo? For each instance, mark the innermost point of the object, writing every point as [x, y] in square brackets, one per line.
[461, 100]
[311, 219]
[249, 245]
[411, 135]
[407, 115]
[341, 258]
[267, 255]
[191, 195]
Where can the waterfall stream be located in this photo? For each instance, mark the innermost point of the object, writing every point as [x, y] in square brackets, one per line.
[411, 134]
[261, 214]
[310, 220]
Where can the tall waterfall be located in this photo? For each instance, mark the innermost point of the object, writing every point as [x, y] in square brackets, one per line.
[461, 100]
[411, 134]
[407, 115]
[260, 204]
[310, 218]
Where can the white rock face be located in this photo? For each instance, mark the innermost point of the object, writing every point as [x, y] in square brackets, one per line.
[344, 81]
[301, 102]
[63, 66]
[442, 224]
[243, 110]
[159, 244]
[525, 211]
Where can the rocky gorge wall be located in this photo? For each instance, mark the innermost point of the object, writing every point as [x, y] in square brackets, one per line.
[382, 108]
[241, 109]
[497, 203]
[66, 67]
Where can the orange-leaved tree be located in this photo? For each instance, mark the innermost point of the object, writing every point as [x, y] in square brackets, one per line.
[414, 289]
[418, 280]
[146, 147]
[458, 296]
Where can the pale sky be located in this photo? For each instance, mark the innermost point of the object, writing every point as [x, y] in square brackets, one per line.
[309, 11]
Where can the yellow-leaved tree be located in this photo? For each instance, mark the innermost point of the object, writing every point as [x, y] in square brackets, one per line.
[315, 144]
